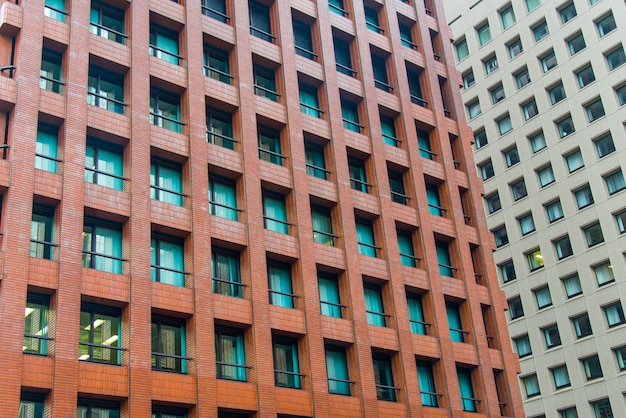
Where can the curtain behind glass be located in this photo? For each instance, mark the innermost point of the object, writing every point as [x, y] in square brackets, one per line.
[454, 323]
[329, 292]
[416, 314]
[374, 306]
[337, 368]
[280, 281]
[365, 239]
[467, 392]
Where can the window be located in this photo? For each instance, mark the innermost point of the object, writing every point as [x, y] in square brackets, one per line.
[593, 369]
[215, 9]
[572, 286]
[342, 57]
[216, 65]
[166, 182]
[508, 17]
[523, 346]
[621, 94]
[602, 408]
[593, 234]
[604, 145]
[337, 371]
[365, 238]
[336, 6]
[620, 353]
[614, 314]
[504, 124]
[548, 62]
[223, 198]
[381, 81]
[486, 170]
[407, 252]
[552, 336]
[443, 258]
[576, 44]
[491, 64]
[582, 325]
[168, 345]
[556, 93]
[457, 333]
[606, 25]
[480, 139]
[434, 202]
[260, 21]
[615, 58]
[164, 44]
[621, 221]
[574, 161]
[594, 110]
[167, 261]
[286, 366]
[563, 247]
[493, 202]
[106, 90]
[315, 164]
[540, 30]
[500, 236]
[309, 104]
[583, 197]
[531, 385]
[358, 178]
[416, 315]
[426, 378]
[383, 376]
[322, 226]
[515, 48]
[615, 182]
[269, 146]
[468, 79]
[484, 33]
[406, 36]
[104, 165]
[166, 412]
[46, 148]
[519, 189]
[560, 376]
[526, 224]
[462, 51]
[330, 302]
[55, 9]
[604, 274]
[226, 273]
[554, 211]
[97, 409]
[350, 116]
[303, 42]
[280, 286]
[374, 308]
[265, 83]
[230, 354]
[102, 246]
[51, 71]
[530, 109]
[165, 111]
[107, 22]
[371, 20]
[473, 109]
[535, 260]
[507, 270]
[497, 94]
[546, 175]
[388, 128]
[36, 319]
[31, 406]
[522, 78]
[42, 233]
[565, 126]
[532, 5]
[466, 390]
[275, 213]
[585, 76]
[537, 142]
[415, 88]
[516, 309]
[100, 332]
[567, 13]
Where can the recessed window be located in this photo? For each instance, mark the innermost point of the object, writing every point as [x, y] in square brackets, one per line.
[507, 17]
[473, 109]
[621, 94]
[615, 182]
[280, 285]
[484, 33]
[585, 76]
[507, 270]
[230, 354]
[582, 325]
[511, 156]
[620, 354]
[358, 177]
[102, 246]
[383, 375]
[226, 273]
[519, 189]
[265, 83]
[434, 201]
[567, 13]
[104, 165]
[309, 103]
[215, 9]
[530, 109]
[388, 131]
[615, 58]
[540, 30]
[371, 20]
[523, 346]
[337, 370]
[486, 170]
[219, 127]
[556, 93]
[491, 64]
[100, 332]
[223, 198]
[165, 110]
[561, 378]
[275, 213]
[423, 143]
[535, 260]
[443, 259]
[415, 87]
[614, 314]
[31, 405]
[416, 315]
[337, 7]
[315, 162]
[303, 41]
[164, 44]
[47, 148]
[342, 56]
[260, 21]
[565, 126]
[516, 309]
[497, 94]
[94, 408]
[381, 80]
[166, 182]
[330, 300]
[604, 274]
[552, 336]
[602, 408]
[286, 364]
[406, 36]
[466, 389]
[563, 247]
[107, 22]
[457, 333]
[42, 233]
[500, 236]
[374, 308]
[621, 221]
[554, 211]
[515, 48]
[406, 250]
[522, 78]
[365, 238]
[426, 378]
[55, 9]
[606, 25]
[594, 110]
[504, 124]
[593, 234]
[462, 51]
[493, 202]
[322, 226]
[576, 44]
[546, 175]
[574, 161]
[468, 79]
[350, 116]
[106, 90]
[548, 62]
[532, 5]
[572, 286]
[270, 149]
[168, 345]
[480, 139]
[216, 65]
[167, 260]
[583, 197]
[51, 71]
[593, 369]
[531, 385]
[537, 142]
[526, 223]
[543, 298]
[36, 319]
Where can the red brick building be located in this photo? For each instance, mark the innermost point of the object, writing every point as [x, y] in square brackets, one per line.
[233, 209]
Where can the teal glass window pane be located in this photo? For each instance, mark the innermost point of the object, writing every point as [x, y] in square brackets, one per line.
[107, 22]
[41, 236]
[416, 315]
[102, 248]
[374, 306]
[99, 337]
[427, 384]
[265, 83]
[385, 390]
[329, 297]
[226, 274]
[322, 226]
[216, 65]
[223, 199]
[286, 370]
[423, 142]
[92, 412]
[168, 346]
[36, 318]
[358, 179]
[165, 111]
[454, 323]
[219, 128]
[167, 184]
[46, 153]
[337, 370]
[164, 44]
[443, 258]
[280, 288]
[104, 166]
[55, 9]
[308, 101]
[315, 164]
[467, 391]
[230, 355]
[365, 239]
[269, 147]
[350, 116]
[31, 409]
[388, 129]
[275, 215]
[260, 22]
[434, 204]
[51, 71]
[167, 261]
[105, 90]
[407, 253]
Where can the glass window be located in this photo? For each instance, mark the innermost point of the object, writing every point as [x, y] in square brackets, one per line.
[614, 314]
[303, 42]
[51, 78]
[365, 238]
[507, 270]
[423, 142]
[548, 62]
[406, 36]
[620, 353]
[107, 22]
[621, 221]
[337, 371]
[342, 56]
[582, 325]
[216, 65]
[519, 189]
[166, 412]
[97, 409]
[383, 376]
[46, 148]
[280, 286]
[526, 223]
[468, 79]
[516, 309]
[532, 5]
[537, 142]
[226, 273]
[434, 202]
[535, 260]
[583, 197]
[594, 110]
[215, 9]
[531, 385]
[31, 406]
[230, 354]
[604, 274]
[416, 315]
[585, 76]
[330, 302]
[350, 116]
[493, 202]
[407, 252]
[593, 369]
[473, 109]
[415, 88]
[381, 81]
[621, 94]
[336, 6]
[388, 128]
[530, 109]
[322, 226]
[491, 64]
[462, 50]
[508, 17]
[486, 170]
[102, 246]
[219, 129]
[165, 111]
[55, 9]
[358, 178]
[554, 211]
[552, 336]
[522, 78]
[308, 101]
[615, 182]
[546, 175]
[556, 93]
[572, 286]
[615, 58]
[443, 258]
[574, 161]
[428, 390]
[565, 127]
[540, 30]
[42, 233]
[265, 83]
[563, 247]
[106, 90]
[315, 164]
[560, 376]
[593, 234]
[466, 390]
[515, 48]
[36, 319]
[104, 165]
[576, 44]
[484, 33]
[500, 236]
[606, 25]
[100, 334]
[167, 261]
[523, 346]
[480, 139]
[457, 333]
[371, 20]
[164, 44]
[396, 184]
[166, 183]
[497, 94]
[169, 348]
[374, 307]
[223, 198]
[504, 124]
[275, 213]
[604, 145]
[260, 21]
[602, 408]
[270, 146]
[567, 13]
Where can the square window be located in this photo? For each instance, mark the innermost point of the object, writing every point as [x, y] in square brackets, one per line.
[593, 369]
[567, 13]
[556, 93]
[560, 376]
[615, 182]
[606, 25]
[563, 247]
[36, 318]
[614, 314]
[265, 83]
[480, 139]
[522, 78]
[504, 124]
[615, 58]
[462, 51]
[540, 30]
[486, 170]
[168, 345]
[102, 246]
[468, 79]
[500, 236]
[164, 44]
[493, 202]
[104, 165]
[473, 109]
[537, 142]
[593, 234]
[548, 62]
[515, 48]
[526, 224]
[572, 286]
[554, 211]
[552, 336]
[491, 64]
[507, 270]
[582, 326]
[532, 5]
[583, 197]
[516, 309]
[565, 126]
[594, 110]
[216, 65]
[604, 274]
[585, 76]
[107, 22]
[511, 156]
[484, 33]
[519, 189]
[621, 221]
[100, 332]
[531, 385]
[535, 260]
[497, 94]
[530, 109]
[602, 408]
[576, 44]
[106, 90]
[523, 346]
[507, 17]
[574, 161]
[543, 298]
[546, 175]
